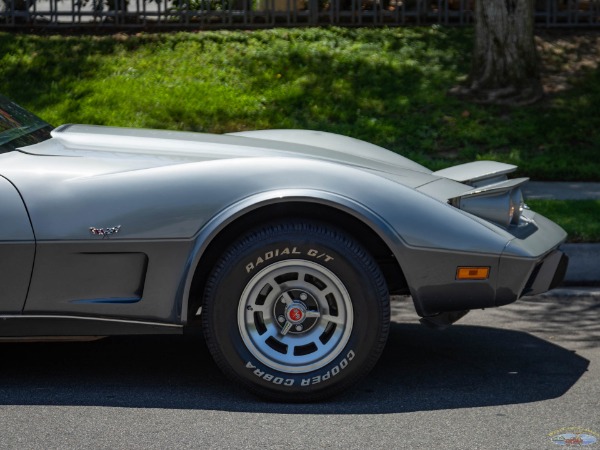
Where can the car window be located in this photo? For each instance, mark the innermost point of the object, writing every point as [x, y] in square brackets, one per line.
[19, 127]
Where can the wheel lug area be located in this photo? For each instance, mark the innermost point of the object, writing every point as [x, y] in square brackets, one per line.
[295, 311]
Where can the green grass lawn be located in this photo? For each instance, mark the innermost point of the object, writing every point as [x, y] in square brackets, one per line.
[387, 86]
[579, 218]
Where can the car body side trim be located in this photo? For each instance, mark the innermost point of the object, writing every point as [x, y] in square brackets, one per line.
[108, 300]
[47, 325]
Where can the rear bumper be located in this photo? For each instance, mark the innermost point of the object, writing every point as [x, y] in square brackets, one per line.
[530, 264]
[547, 274]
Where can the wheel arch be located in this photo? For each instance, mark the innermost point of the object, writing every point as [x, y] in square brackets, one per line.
[355, 219]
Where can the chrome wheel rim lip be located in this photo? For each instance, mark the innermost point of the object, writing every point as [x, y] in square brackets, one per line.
[297, 352]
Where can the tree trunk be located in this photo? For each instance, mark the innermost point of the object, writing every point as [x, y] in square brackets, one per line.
[505, 64]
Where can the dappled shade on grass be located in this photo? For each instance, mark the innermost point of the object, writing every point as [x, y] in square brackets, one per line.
[579, 218]
[386, 86]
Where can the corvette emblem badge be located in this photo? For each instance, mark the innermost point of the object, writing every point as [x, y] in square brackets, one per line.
[105, 231]
[295, 315]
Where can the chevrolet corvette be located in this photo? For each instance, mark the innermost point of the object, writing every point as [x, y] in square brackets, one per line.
[282, 247]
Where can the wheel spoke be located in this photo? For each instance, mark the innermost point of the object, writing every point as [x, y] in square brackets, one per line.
[335, 319]
[259, 308]
[286, 327]
[264, 311]
[313, 314]
[286, 298]
[270, 279]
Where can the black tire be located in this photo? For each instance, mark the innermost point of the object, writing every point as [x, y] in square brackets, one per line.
[296, 311]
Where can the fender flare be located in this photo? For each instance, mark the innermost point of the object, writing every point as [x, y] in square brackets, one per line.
[219, 221]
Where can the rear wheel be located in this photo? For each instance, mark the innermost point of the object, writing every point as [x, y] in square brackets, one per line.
[296, 311]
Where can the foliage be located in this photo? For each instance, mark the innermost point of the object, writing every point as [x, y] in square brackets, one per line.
[579, 218]
[386, 86]
[200, 5]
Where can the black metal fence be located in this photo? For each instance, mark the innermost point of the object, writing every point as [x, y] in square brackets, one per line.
[213, 14]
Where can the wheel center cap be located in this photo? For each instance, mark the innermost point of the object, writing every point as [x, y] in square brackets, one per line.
[295, 313]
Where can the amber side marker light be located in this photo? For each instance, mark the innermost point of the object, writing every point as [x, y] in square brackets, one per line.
[472, 273]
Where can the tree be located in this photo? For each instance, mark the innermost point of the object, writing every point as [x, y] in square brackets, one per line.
[505, 63]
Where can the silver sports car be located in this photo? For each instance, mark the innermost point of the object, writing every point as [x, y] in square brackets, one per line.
[282, 246]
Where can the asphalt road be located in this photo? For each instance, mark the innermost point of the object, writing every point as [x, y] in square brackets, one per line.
[503, 378]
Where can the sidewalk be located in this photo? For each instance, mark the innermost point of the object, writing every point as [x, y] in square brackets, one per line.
[584, 259]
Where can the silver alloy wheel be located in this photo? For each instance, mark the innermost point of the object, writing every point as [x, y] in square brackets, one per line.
[295, 316]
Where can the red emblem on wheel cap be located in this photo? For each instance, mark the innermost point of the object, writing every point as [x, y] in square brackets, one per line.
[295, 314]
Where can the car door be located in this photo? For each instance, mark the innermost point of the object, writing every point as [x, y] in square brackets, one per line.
[17, 249]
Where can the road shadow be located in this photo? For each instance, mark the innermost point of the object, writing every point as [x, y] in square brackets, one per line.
[571, 319]
[420, 370]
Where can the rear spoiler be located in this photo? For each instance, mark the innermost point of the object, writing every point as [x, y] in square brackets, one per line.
[493, 196]
[477, 173]
[495, 188]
